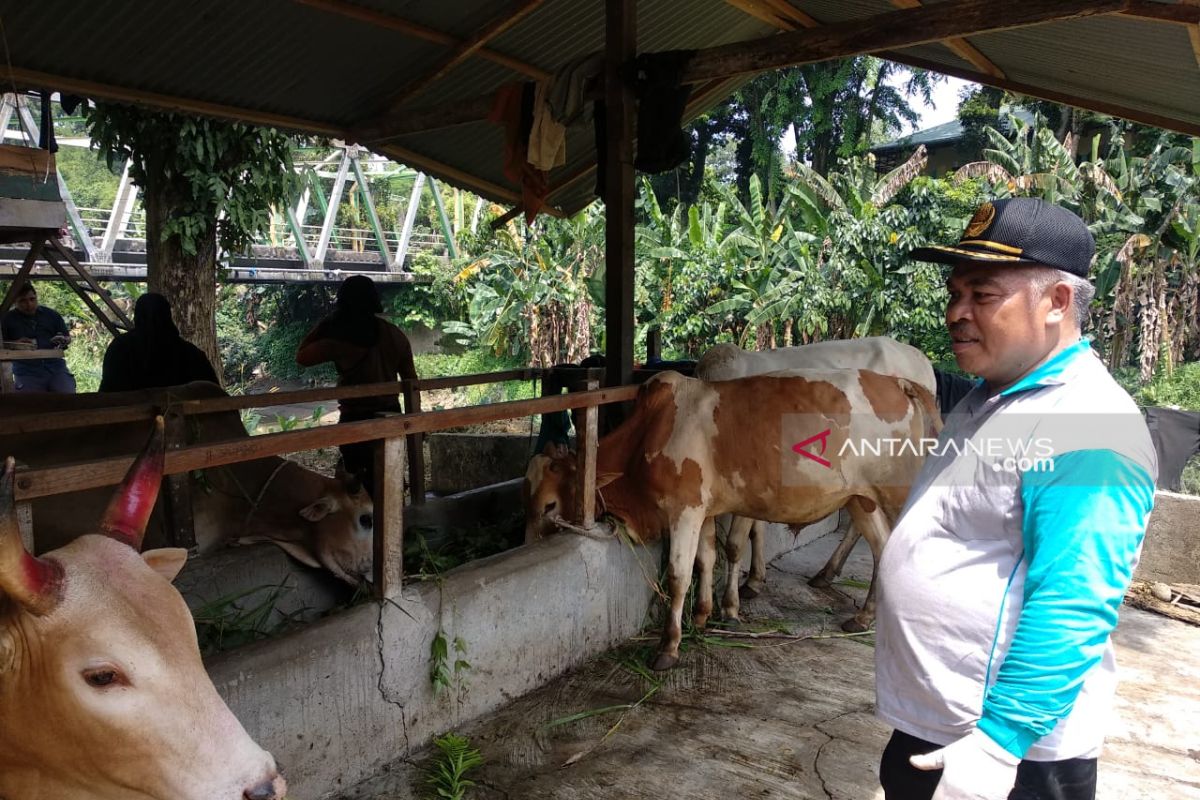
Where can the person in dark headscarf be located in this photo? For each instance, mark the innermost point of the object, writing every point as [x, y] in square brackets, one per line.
[364, 348]
[153, 354]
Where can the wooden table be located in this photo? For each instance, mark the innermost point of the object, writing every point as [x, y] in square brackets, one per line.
[7, 356]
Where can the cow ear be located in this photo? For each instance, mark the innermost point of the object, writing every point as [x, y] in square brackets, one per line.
[605, 478]
[318, 510]
[297, 551]
[166, 561]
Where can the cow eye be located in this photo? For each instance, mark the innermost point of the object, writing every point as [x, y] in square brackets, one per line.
[550, 507]
[102, 677]
[365, 520]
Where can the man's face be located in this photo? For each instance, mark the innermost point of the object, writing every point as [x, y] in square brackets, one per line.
[997, 318]
[27, 303]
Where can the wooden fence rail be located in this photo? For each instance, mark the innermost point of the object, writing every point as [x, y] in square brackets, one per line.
[389, 432]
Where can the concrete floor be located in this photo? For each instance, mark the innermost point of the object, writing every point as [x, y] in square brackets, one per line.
[787, 719]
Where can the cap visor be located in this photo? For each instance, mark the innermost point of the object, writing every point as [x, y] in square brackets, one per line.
[957, 255]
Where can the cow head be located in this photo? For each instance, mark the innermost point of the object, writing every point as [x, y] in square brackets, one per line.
[548, 491]
[103, 690]
[342, 536]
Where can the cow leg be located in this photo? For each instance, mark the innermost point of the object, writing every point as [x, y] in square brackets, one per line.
[751, 530]
[837, 560]
[685, 540]
[739, 532]
[874, 527]
[706, 559]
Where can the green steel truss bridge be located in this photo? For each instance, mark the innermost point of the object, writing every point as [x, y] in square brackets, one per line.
[304, 245]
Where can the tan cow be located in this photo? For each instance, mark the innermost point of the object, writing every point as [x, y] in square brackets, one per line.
[788, 449]
[882, 354]
[102, 692]
[320, 521]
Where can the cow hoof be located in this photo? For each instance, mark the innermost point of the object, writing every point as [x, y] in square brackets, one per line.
[747, 592]
[700, 621]
[731, 622]
[664, 662]
[820, 581]
[856, 625]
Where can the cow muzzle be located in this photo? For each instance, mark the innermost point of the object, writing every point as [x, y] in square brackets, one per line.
[273, 789]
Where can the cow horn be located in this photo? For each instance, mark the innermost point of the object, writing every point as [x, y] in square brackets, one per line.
[129, 510]
[35, 583]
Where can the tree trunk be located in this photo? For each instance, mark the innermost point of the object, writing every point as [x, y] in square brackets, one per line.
[695, 178]
[189, 282]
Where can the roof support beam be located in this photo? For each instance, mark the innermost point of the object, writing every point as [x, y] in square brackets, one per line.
[464, 50]
[1185, 12]
[961, 47]
[1112, 109]
[895, 29]
[31, 79]
[393, 23]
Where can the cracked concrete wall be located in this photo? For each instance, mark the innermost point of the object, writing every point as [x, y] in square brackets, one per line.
[337, 700]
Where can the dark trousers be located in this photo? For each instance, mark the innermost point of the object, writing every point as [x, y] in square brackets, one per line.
[1071, 779]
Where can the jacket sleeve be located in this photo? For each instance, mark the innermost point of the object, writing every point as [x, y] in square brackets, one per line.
[1083, 527]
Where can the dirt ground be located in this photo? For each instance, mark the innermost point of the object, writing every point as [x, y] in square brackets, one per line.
[788, 718]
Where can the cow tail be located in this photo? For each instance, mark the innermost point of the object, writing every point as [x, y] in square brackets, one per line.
[926, 403]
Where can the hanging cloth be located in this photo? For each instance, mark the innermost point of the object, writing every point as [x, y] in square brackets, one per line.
[547, 137]
[513, 109]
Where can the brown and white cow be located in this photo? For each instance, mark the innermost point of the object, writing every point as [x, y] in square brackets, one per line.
[102, 692]
[881, 354]
[790, 448]
[320, 521]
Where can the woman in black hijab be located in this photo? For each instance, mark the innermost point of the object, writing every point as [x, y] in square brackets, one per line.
[153, 354]
[364, 349]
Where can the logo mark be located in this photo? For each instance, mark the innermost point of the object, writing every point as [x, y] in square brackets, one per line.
[980, 222]
[823, 438]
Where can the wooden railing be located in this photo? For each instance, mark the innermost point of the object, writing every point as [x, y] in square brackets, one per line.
[391, 434]
[410, 390]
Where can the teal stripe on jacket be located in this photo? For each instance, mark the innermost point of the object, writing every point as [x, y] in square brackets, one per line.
[1083, 526]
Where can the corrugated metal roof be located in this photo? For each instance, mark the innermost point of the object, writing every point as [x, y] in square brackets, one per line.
[325, 72]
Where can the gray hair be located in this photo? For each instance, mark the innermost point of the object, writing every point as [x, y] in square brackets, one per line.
[1082, 290]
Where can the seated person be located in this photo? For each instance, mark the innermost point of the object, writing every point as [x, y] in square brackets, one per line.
[153, 354]
[44, 328]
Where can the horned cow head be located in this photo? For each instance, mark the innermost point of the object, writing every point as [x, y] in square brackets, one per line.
[104, 692]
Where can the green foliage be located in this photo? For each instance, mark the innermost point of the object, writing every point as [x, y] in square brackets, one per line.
[446, 776]
[241, 617]
[426, 304]
[441, 674]
[1180, 387]
[92, 182]
[222, 177]
[533, 292]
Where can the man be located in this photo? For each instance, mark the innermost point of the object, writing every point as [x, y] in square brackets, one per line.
[364, 348]
[1001, 581]
[44, 328]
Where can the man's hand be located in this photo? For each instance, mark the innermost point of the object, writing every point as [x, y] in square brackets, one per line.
[976, 768]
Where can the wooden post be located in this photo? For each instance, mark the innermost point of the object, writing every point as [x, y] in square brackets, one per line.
[416, 447]
[25, 521]
[619, 190]
[653, 345]
[388, 568]
[585, 443]
[181, 523]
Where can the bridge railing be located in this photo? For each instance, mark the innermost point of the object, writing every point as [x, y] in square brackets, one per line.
[391, 435]
[342, 238]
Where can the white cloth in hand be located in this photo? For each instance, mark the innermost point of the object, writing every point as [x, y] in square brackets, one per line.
[975, 768]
